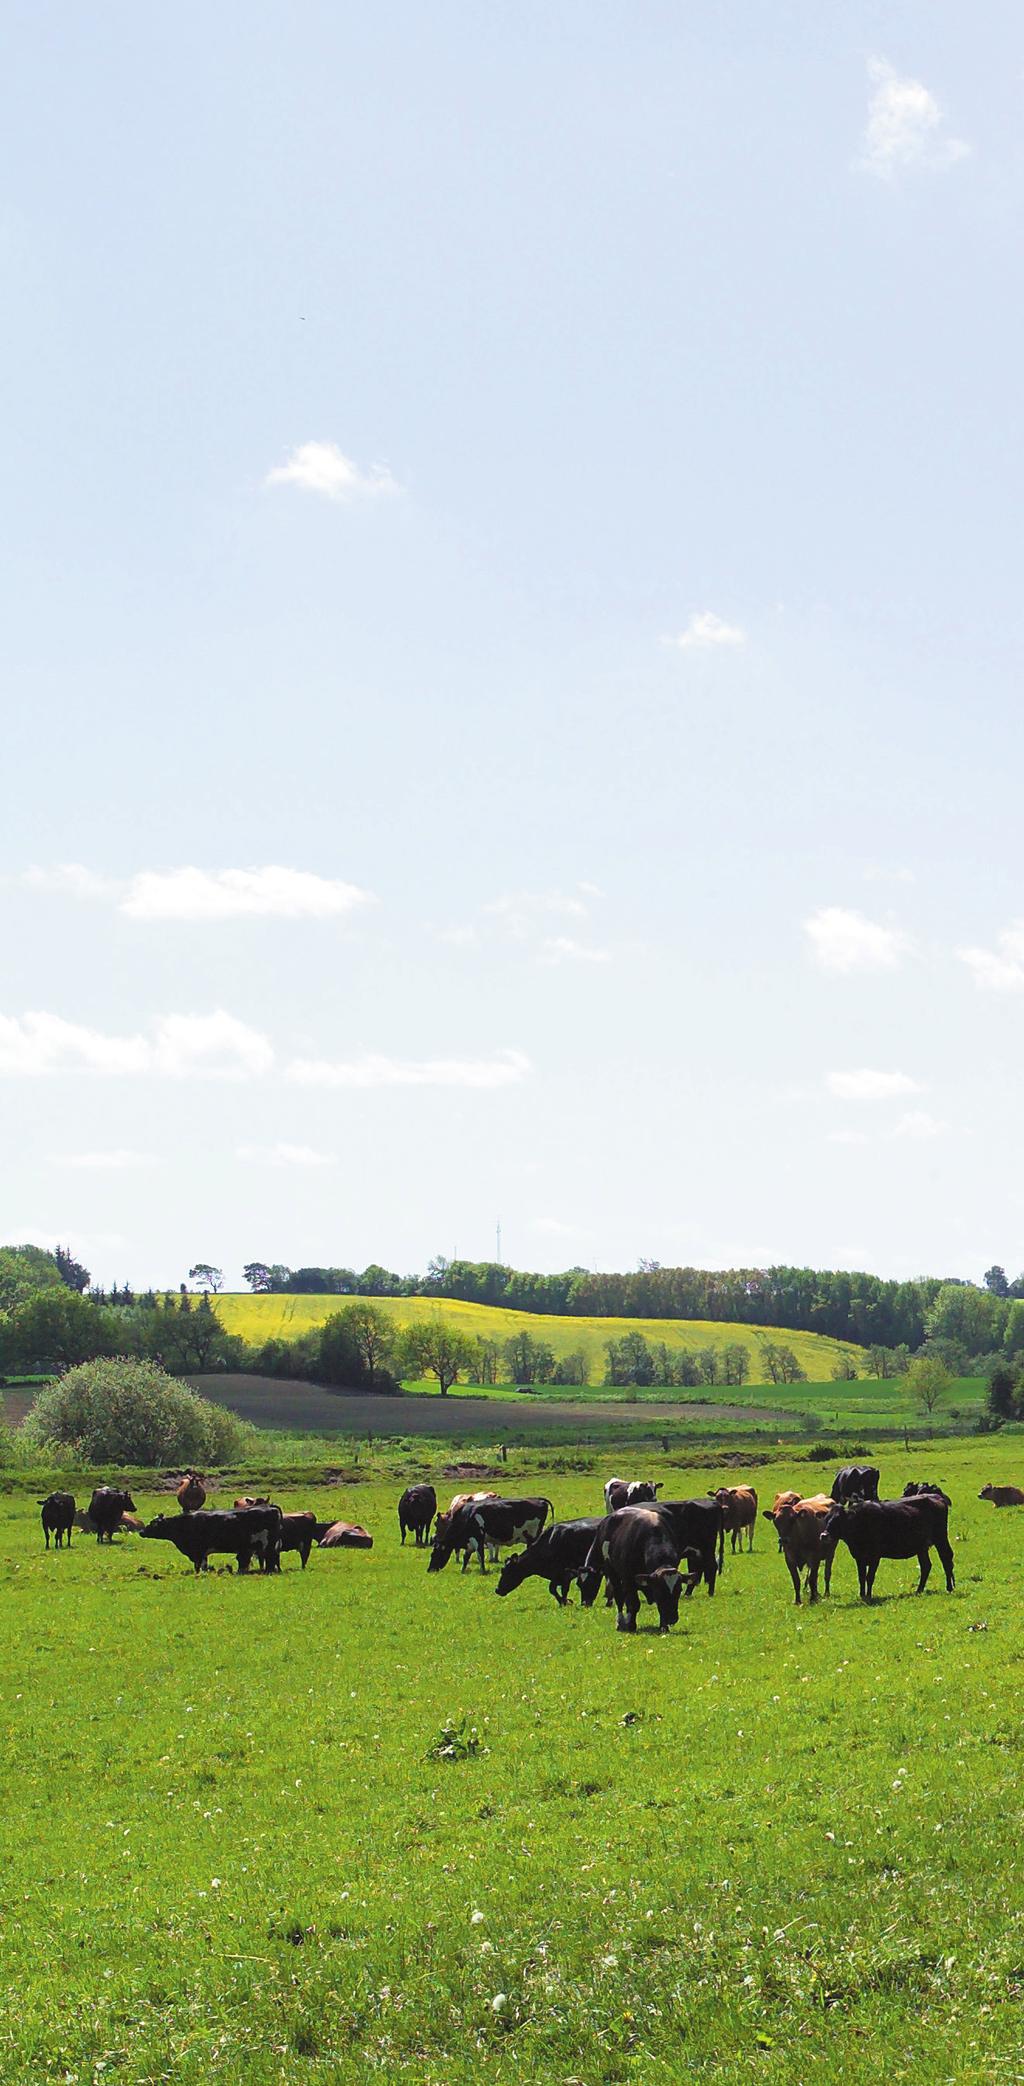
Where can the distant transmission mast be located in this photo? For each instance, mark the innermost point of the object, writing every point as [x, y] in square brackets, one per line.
[499, 1243]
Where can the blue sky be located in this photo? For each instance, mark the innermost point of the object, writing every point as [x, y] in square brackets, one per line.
[511, 630]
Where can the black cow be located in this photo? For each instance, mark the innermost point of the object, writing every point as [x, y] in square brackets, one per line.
[241, 1532]
[639, 1551]
[698, 1524]
[855, 1481]
[558, 1555]
[483, 1522]
[106, 1507]
[416, 1510]
[298, 1532]
[58, 1518]
[915, 1491]
[629, 1492]
[873, 1529]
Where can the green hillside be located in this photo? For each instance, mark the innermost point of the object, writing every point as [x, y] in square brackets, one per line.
[259, 1318]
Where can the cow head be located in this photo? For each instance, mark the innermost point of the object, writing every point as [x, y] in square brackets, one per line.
[987, 1492]
[513, 1572]
[663, 1587]
[443, 1544]
[159, 1526]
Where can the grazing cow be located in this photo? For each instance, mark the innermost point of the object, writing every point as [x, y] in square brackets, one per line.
[698, 1525]
[800, 1526]
[1003, 1495]
[488, 1523]
[191, 1493]
[345, 1535]
[629, 1492]
[452, 1519]
[873, 1529]
[855, 1481]
[916, 1490]
[639, 1551]
[241, 1533]
[416, 1510]
[106, 1507]
[558, 1555]
[465, 1499]
[739, 1512]
[58, 1518]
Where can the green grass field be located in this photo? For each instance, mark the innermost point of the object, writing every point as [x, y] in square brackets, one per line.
[773, 1843]
[258, 1318]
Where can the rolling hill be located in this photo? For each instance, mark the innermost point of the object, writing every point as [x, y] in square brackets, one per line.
[259, 1318]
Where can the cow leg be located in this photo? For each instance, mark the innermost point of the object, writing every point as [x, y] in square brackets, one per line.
[628, 1607]
[829, 1555]
[750, 1537]
[924, 1558]
[794, 1573]
[946, 1557]
[812, 1578]
[46, 1537]
[870, 1570]
[402, 1527]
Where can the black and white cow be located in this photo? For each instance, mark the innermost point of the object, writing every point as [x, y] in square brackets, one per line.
[629, 1492]
[242, 1533]
[639, 1551]
[487, 1524]
[558, 1555]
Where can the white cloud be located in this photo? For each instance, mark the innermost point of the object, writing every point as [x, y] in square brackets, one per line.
[706, 630]
[115, 1161]
[562, 948]
[321, 467]
[180, 1046]
[1000, 969]
[870, 1086]
[905, 126]
[283, 1155]
[843, 940]
[918, 1123]
[508, 1068]
[231, 894]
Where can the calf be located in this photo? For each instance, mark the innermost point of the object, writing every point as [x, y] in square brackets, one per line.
[106, 1507]
[739, 1512]
[855, 1481]
[800, 1526]
[298, 1532]
[1003, 1495]
[916, 1491]
[191, 1493]
[416, 1510]
[639, 1551]
[58, 1518]
[559, 1555]
[344, 1535]
[241, 1533]
[490, 1523]
[873, 1529]
[629, 1492]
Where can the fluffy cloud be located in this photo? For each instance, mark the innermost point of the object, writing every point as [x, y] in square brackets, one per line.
[918, 1123]
[283, 1155]
[905, 126]
[1000, 969]
[704, 631]
[321, 467]
[870, 1086]
[179, 1046]
[843, 940]
[508, 1068]
[233, 894]
[563, 948]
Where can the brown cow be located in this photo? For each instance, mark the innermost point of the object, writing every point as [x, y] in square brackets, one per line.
[191, 1493]
[346, 1535]
[799, 1525]
[1003, 1495]
[739, 1512]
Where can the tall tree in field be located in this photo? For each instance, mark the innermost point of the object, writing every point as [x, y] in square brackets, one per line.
[257, 1274]
[928, 1381]
[71, 1272]
[435, 1347]
[373, 1332]
[210, 1277]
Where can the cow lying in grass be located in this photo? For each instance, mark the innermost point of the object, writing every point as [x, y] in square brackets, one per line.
[559, 1555]
[873, 1529]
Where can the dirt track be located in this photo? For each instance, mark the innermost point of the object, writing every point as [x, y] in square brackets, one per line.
[306, 1408]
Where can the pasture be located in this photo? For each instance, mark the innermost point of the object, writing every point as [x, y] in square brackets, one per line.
[364, 1822]
[259, 1318]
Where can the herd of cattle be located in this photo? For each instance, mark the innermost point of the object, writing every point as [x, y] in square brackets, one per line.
[251, 1529]
[640, 1548]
